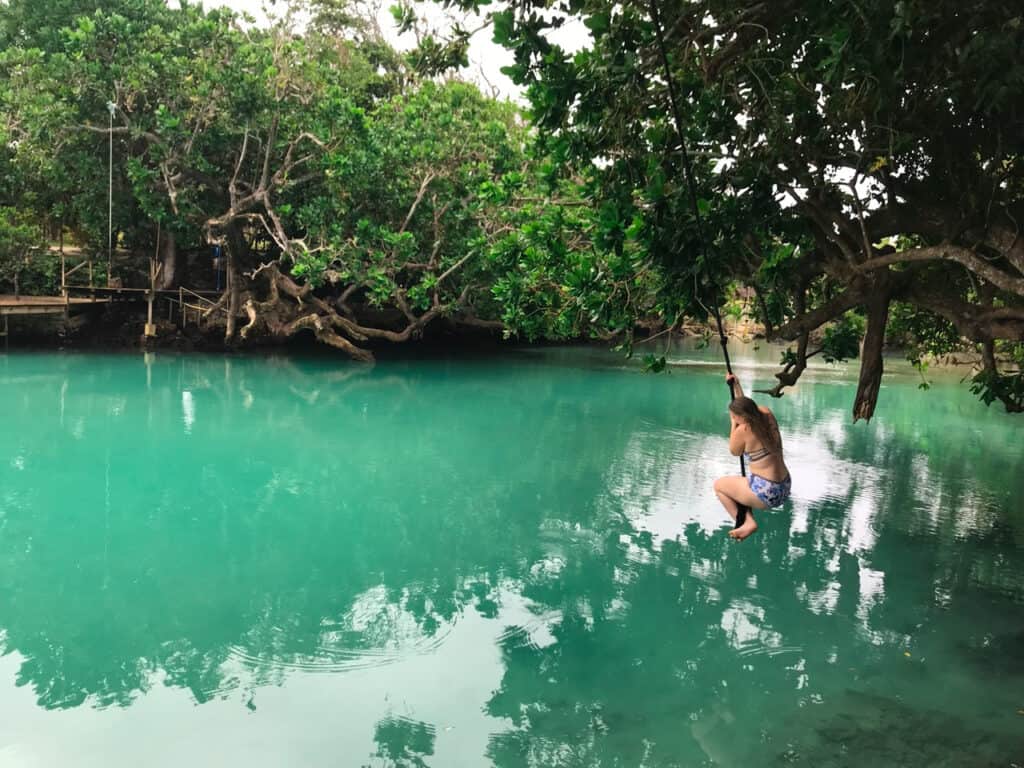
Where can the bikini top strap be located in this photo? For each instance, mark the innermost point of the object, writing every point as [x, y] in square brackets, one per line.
[758, 455]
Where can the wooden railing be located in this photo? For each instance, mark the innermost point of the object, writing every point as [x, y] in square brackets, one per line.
[200, 306]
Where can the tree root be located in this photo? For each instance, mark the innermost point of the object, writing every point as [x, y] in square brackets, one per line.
[291, 308]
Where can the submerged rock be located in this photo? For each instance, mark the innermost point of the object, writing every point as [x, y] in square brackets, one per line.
[999, 656]
[863, 729]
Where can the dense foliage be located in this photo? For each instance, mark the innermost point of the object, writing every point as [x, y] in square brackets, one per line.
[846, 156]
[353, 197]
[858, 166]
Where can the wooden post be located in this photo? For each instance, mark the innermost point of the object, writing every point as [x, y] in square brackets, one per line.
[154, 271]
[7, 333]
[63, 266]
[64, 276]
[150, 327]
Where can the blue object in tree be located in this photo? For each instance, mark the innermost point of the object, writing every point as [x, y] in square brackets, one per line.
[216, 263]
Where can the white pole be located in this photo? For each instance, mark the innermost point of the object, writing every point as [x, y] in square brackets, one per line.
[110, 194]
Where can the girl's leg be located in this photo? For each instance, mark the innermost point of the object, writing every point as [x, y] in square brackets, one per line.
[727, 501]
[731, 492]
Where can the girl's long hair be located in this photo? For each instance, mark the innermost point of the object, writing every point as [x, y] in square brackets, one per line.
[747, 410]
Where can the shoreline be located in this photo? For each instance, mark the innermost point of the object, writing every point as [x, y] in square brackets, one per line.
[113, 332]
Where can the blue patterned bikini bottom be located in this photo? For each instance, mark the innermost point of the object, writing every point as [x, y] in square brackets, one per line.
[770, 493]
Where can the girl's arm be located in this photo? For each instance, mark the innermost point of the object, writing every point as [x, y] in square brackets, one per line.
[737, 438]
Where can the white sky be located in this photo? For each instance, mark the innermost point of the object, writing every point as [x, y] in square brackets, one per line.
[486, 57]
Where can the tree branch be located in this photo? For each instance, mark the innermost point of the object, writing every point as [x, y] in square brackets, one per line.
[415, 203]
[232, 185]
[950, 252]
[854, 294]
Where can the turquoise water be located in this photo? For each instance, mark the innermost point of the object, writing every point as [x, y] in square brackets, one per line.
[514, 561]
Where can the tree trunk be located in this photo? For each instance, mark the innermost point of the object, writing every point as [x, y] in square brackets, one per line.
[169, 258]
[235, 250]
[871, 358]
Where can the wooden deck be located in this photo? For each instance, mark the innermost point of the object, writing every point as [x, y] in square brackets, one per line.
[42, 305]
[199, 303]
[84, 293]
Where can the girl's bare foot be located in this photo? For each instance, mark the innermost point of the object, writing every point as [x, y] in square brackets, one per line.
[749, 527]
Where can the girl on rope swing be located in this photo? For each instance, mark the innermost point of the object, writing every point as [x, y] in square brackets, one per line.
[754, 434]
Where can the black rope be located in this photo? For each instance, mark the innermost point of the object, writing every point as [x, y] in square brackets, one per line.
[688, 172]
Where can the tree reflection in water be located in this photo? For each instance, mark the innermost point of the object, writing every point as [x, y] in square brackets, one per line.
[304, 519]
[404, 743]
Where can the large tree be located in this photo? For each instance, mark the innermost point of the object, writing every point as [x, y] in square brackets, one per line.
[353, 198]
[846, 156]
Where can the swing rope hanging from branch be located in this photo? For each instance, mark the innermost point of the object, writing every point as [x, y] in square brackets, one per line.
[688, 174]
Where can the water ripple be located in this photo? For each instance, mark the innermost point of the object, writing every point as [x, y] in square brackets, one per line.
[335, 659]
[768, 650]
